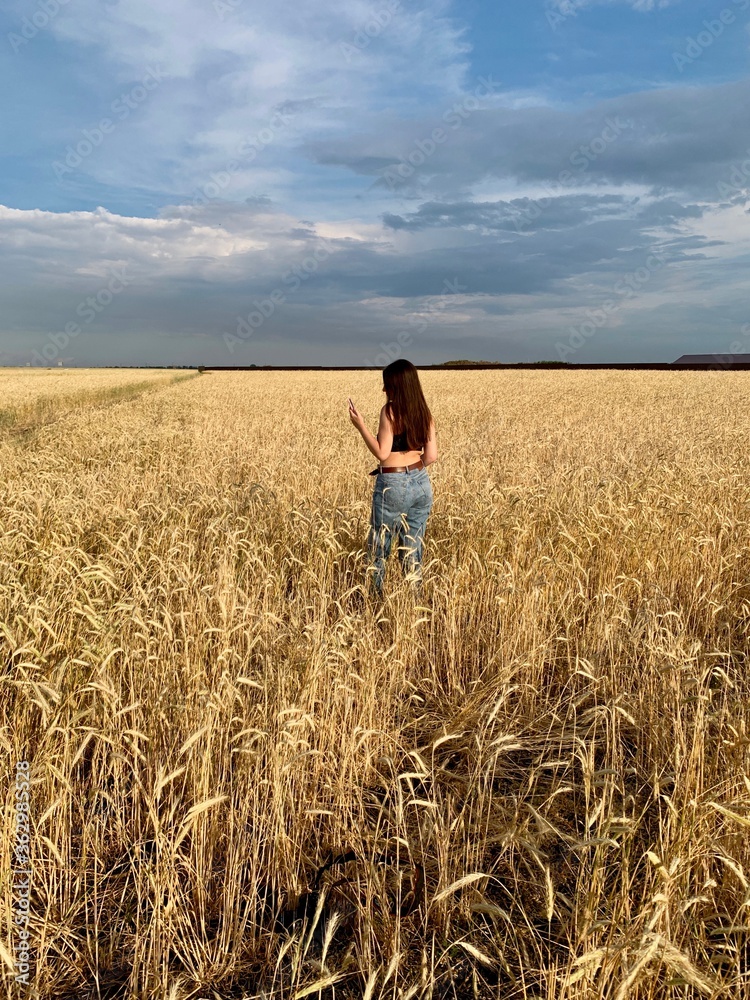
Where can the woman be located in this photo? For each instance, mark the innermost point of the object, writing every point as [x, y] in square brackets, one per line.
[404, 447]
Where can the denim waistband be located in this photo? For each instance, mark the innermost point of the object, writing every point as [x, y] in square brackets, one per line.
[408, 472]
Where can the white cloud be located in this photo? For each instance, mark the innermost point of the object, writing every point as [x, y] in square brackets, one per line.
[229, 69]
[192, 271]
[568, 7]
[184, 242]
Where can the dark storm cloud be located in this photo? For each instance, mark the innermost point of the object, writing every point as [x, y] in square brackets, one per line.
[683, 138]
[564, 212]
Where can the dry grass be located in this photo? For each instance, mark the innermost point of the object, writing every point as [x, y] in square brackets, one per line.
[538, 779]
[31, 397]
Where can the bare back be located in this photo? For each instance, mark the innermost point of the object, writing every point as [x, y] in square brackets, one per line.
[385, 435]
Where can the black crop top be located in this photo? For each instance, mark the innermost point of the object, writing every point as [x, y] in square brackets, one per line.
[400, 443]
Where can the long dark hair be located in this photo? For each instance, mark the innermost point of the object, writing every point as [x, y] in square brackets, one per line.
[406, 406]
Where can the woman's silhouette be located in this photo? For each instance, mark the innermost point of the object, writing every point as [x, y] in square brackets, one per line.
[402, 498]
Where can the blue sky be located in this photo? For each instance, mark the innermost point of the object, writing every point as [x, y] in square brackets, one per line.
[210, 182]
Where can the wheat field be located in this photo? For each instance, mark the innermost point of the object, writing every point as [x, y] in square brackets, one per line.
[30, 396]
[247, 780]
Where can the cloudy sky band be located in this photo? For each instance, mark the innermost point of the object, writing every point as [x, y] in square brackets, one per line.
[265, 134]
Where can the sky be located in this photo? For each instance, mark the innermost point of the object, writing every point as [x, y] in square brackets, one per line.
[344, 182]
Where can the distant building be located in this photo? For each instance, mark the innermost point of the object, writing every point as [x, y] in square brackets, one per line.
[720, 360]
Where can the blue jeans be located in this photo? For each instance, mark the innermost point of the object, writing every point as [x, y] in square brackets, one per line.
[401, 502]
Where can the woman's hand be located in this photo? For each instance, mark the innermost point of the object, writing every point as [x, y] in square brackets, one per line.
[356, 417]
[359, 422]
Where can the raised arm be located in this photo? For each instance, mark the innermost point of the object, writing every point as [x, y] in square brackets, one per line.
[430, 453]
[381, 445]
